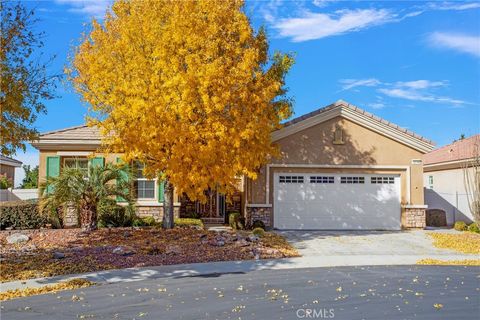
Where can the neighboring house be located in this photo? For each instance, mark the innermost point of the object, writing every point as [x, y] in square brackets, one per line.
[444, 178]
[7, 167]
[340, 168]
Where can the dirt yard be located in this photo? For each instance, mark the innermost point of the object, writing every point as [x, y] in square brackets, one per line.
[69, 251]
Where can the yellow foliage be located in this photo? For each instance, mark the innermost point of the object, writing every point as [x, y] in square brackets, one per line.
[473, 262]
[466, 242]
[67, 285]
[186, 87]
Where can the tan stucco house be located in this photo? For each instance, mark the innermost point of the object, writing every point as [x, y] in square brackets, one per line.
[7, 167]
[444, 178]
[340, 168]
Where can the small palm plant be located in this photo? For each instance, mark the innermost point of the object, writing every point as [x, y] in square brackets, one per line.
[87, 193]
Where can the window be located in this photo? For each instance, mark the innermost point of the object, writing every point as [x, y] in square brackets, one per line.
[352, 180]
[321, 179]
[382, 180]
[76, 163]
[430, 180]
[291, 179]
[145, 188]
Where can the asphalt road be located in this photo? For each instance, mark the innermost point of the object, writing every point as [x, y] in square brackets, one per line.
[379, 292]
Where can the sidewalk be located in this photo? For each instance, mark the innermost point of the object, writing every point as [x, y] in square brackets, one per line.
[225, 267]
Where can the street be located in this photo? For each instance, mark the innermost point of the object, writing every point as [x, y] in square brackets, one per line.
[377, 292]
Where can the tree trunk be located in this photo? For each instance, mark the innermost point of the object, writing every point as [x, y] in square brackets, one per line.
[88, 217]
[168, 222]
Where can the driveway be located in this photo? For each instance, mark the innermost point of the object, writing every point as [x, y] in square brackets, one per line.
[337, 248]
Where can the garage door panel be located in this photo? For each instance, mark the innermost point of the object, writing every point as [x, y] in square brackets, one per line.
[324, 202]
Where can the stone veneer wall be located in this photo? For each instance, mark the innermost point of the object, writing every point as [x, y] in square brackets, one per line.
[414, 218]
[155, 211]
[259, 213]
[70, 218]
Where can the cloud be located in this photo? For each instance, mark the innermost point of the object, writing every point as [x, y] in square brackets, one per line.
[377, 105]
[301, 24]
[312, 26]
[322, 3]
[456, 41]
[456, 6]
[94, 8]
[348, 84]
[415, 90]
[415, 95]
[422, 84]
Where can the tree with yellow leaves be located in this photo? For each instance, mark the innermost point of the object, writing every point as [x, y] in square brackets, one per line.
[187, 88]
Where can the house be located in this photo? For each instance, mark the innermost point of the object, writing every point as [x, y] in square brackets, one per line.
[7, 167]
[444, 178]
[340, 168]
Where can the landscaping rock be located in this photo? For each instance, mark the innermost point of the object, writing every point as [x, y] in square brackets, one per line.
[173, 249]
[252, 238]
[123, 251]
[220, 243]
[17, 238]
[127, 234]
[242, 243]
[58, 255]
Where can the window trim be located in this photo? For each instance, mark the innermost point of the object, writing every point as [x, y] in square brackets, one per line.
[76, 159]
[352, 180]
[291, 179]
[155, 187]
[322, 179]
[382, 180]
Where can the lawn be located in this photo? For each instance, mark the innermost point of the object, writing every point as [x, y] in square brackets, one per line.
[69, 251]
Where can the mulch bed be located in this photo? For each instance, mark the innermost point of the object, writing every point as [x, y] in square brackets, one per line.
[103, 249]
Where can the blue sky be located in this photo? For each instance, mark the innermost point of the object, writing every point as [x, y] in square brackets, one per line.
[416, 64]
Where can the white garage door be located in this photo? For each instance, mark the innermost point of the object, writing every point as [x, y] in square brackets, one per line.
[336, 201]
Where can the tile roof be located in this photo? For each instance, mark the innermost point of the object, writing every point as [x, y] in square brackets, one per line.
[10, 161]
[342, 103]
[459, 150]
[82, 132]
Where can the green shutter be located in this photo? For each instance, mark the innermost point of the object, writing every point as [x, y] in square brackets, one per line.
[97, 161]
[124, 178]
[53, 169]
[161, 190]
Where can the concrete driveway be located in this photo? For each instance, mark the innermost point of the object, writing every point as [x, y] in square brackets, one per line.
[337, 248]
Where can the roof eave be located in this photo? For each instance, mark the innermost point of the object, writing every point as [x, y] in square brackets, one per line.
[349, 112]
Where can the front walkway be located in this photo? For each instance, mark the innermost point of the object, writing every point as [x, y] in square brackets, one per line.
[318, 249]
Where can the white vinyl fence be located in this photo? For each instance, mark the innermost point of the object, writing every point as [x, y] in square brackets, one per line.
[18, 194]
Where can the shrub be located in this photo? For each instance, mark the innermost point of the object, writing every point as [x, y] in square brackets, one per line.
[236, 221]
[258, 224]
[259, 232]
[149, 221]
[474, 227]
[5, 183]
[460, 226]
[138, 222]
[21, 215]
[116, 216]
[180, 222]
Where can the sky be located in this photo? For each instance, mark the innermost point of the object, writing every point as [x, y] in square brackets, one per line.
[416, 64]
